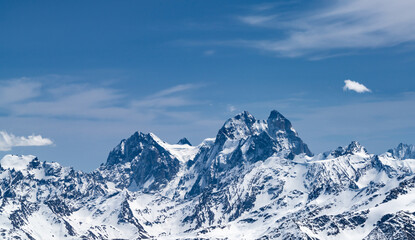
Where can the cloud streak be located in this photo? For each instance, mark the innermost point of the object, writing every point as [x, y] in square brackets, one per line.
[90, 118]
[170, 97]
[8, 141]
[31, 98]
[342, 26]
[176, 89]
[256, 19]
[18, 90]
[350, 85]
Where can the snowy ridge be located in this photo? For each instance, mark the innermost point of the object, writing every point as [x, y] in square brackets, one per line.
[256, 180]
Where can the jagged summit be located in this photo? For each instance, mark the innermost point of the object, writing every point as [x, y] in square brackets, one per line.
[280, 119]
[403, 151]
[238, 127]
[248, 118]
[276, 127]
[254, 176]
[277, 122]
[184, 141]
[355, 147]
[352, 149]
[121, 154]
[280, 127]
[150, 163]
[274, 114]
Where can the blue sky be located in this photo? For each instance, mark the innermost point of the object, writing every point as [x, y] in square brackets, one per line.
[86, 74]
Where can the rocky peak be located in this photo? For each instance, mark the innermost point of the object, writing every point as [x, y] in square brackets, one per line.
[184, 141]
[199, 192]
[276, 127]
[277, 122]
[245, 117]
[340, 151]
[237, 127]
[151, 165]
[403, 151]
[127, 149]
[355, 147]
[281, 130]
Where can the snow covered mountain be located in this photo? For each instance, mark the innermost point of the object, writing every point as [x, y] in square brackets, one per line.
[255, 180]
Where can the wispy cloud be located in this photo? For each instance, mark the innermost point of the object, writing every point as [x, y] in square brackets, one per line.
[176, 89]
[8, 141]
[263, 6]
[267, 6]
[256, 19]
[350, 85]
[85, 116]
[340, 26]
[231, 108]
[169, 97]
[209, 52]
[79, 102]
[17, 90]
[88, 102]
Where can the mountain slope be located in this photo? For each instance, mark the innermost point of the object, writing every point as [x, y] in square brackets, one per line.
[255, 180]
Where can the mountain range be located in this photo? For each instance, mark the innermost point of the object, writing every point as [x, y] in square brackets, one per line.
[256, 179]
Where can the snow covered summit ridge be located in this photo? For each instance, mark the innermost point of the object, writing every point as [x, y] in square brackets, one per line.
[255, 180]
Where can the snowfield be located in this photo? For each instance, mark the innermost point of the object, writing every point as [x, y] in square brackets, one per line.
[255, 180]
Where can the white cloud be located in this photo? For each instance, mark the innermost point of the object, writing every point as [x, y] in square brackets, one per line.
[340, 26]
[8, 141]
[355, 86]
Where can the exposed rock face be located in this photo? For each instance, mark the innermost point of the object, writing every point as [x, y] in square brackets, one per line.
[44, 200]
[184, 141]
[149, 164]
[403, 151]
[244, 140]
[256, 180]
[400, 225]
[281, 130]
